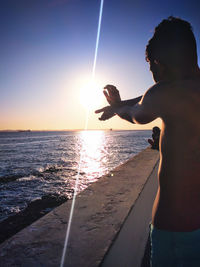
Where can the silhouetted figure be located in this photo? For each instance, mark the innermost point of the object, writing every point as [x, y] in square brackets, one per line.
[175, 99]
[156, 137]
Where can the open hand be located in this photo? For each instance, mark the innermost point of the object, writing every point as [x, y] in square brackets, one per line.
[112, 95]
[108, 112]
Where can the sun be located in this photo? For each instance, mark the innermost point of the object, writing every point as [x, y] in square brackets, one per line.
[91, 95]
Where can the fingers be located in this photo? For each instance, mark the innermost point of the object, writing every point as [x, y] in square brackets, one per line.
[105, 93]
[106, 116]
[112, 90]
[107, 109]
[108, 112]
[107, 97]
[99, 110]
[112, 94]
[111, 87]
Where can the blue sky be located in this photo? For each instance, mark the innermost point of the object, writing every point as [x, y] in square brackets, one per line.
[47, 51]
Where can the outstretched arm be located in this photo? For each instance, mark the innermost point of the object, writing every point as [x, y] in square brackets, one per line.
[149, 108]
[113, 97]
[145, 111]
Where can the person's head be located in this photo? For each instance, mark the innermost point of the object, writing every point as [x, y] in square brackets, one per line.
[156, 130]
[172, 50]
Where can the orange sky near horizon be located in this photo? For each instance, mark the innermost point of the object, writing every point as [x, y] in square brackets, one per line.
[32, 122]
[64, 109]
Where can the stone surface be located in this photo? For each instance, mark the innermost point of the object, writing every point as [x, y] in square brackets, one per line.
[129, 246]
[99, 214]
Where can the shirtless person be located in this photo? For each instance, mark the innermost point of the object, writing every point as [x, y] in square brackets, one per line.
[175, 98]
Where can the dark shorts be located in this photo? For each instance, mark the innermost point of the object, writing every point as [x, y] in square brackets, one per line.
[170, 249]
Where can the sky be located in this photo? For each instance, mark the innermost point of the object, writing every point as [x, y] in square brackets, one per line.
[47, 51]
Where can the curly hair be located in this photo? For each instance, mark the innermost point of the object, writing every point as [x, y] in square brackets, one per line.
[173, 43]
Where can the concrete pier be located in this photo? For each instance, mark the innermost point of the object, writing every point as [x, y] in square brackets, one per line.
[109, 226]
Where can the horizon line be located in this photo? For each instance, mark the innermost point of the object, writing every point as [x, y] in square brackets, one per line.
[65, 130]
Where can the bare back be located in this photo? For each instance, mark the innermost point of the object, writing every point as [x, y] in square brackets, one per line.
[177, 204]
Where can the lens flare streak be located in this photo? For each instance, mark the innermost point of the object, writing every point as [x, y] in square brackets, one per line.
[97, 40]
[81, 156]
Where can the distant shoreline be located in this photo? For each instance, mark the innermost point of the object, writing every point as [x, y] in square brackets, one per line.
[76, 130]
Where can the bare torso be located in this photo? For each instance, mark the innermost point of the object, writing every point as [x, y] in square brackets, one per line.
[177, 204]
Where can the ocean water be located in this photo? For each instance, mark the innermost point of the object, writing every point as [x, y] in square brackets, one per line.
[34, 164]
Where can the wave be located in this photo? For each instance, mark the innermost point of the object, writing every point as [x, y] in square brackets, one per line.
[10, 178]
[33, 174]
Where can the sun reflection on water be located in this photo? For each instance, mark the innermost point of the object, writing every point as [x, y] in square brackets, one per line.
[93, 154]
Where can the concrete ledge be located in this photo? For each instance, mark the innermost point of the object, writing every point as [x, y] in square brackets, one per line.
[129, 246]
[100, 212]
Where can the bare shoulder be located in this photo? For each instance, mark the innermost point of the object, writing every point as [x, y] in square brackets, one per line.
[165, 99]
[169, 92]
[170, 101]
[163, 88]
[151, 105]
[157, 93]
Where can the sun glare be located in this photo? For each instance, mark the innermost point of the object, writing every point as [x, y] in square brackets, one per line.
[91, 95]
